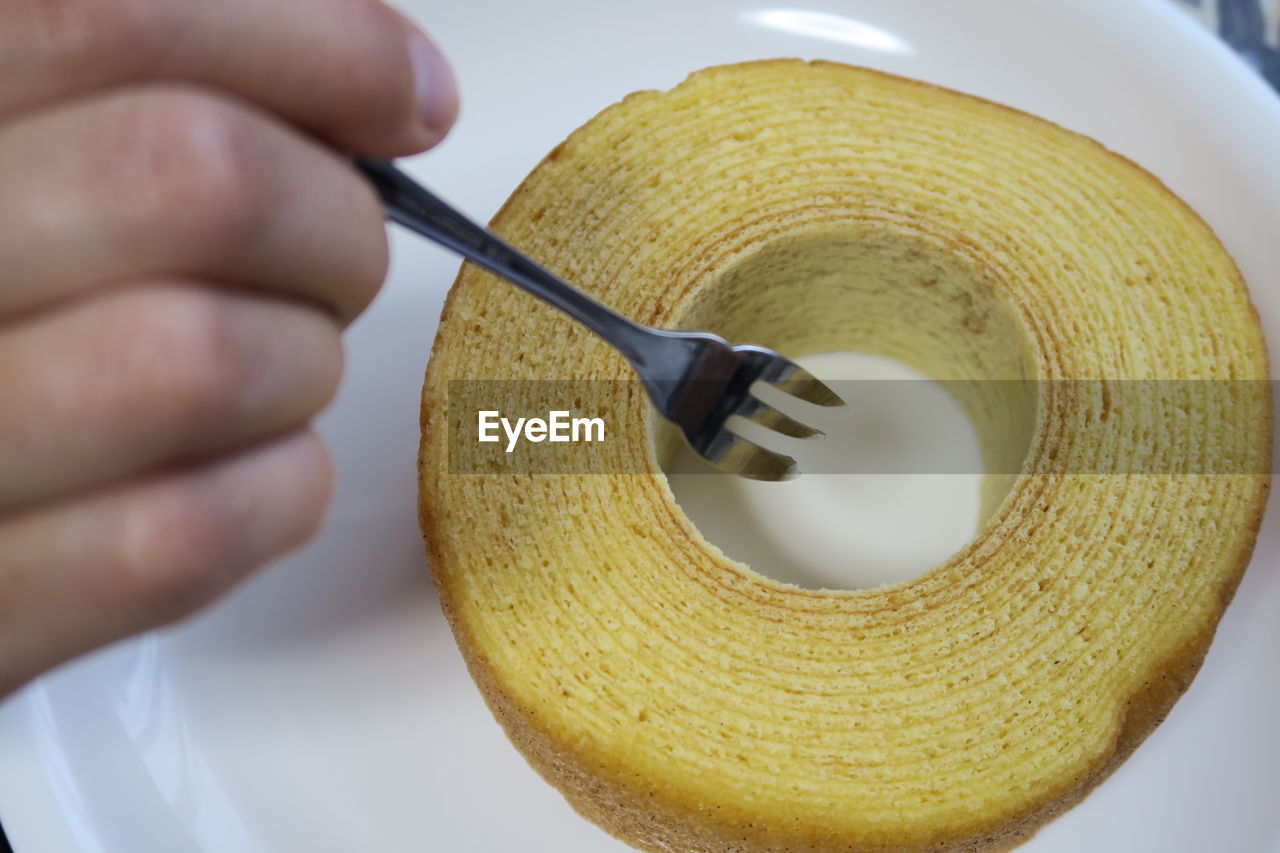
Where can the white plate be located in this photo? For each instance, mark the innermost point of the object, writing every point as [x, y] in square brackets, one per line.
[323, 707]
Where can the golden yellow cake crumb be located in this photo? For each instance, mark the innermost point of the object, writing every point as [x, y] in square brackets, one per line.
[685, 702]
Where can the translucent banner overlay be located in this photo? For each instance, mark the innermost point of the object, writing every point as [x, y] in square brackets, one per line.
[1004, 427]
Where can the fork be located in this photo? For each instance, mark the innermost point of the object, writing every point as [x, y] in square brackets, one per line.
[696, 380]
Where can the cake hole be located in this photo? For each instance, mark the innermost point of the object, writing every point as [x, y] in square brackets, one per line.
[861, 302]
[830, 529]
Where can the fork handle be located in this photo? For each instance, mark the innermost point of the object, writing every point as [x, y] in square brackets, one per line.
[408, 203]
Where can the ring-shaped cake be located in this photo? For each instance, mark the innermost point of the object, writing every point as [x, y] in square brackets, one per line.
[684, 701]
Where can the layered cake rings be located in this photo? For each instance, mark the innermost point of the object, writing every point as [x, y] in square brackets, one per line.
[684, 701]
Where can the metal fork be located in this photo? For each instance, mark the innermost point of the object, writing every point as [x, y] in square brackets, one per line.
[697, 380]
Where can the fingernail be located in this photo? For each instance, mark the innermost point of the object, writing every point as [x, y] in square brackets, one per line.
[433, 80]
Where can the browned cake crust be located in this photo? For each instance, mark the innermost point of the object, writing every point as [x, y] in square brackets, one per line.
[683, 701]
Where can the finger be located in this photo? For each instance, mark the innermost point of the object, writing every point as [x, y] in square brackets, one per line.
[181, 181]
[79, 575]
[351, 71]
[154, 374]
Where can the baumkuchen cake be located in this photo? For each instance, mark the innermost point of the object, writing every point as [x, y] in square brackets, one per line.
[686, 702]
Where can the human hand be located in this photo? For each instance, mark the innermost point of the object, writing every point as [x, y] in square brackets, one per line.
[180, 247]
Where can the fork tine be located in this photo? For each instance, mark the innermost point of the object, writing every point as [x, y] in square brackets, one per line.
[798, 382]
[734, 454]
[757, 411]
